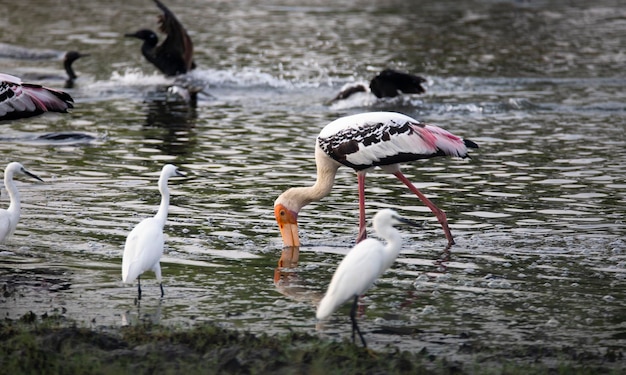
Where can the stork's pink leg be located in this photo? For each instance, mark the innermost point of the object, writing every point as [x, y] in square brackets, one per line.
[362, 225]
[441, 216]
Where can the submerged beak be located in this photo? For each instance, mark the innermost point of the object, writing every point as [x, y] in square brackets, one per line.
[288, 225]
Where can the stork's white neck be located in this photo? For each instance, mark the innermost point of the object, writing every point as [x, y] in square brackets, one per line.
[296, 198]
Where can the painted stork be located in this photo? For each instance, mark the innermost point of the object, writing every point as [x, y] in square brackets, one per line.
[362, 142]
[388, 83]
[175, 55]
[365, 263]
[144, 245]
[10, 216]
[20, 100]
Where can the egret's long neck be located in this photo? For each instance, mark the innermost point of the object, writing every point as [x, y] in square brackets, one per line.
[14, 196]
[161, 214]
[394, 243]
[298, 197]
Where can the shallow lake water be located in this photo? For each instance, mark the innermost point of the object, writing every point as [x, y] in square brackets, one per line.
[537, 212]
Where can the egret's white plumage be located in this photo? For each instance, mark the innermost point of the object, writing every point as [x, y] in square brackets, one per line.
[144, 244]
[365, 263]
[362, 142]
[10, 216]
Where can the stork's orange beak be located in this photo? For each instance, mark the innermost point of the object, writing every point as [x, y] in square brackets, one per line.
[288, 225]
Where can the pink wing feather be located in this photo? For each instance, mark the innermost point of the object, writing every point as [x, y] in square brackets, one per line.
[21, 100]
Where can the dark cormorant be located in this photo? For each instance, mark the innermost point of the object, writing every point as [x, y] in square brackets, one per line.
[68, 60]
[388, 83]
[175, 55]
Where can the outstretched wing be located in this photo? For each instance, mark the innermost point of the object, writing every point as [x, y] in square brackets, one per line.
[20, 100]
[177, 44]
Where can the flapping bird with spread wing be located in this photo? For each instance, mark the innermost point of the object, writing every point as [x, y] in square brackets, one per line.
[388, 83]
[21, 100]
[175, 55]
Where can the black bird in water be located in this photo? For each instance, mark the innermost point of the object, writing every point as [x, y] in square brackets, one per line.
[20, 100]
[68, 60]
[175, 55]
[388, 83]
[9, 51]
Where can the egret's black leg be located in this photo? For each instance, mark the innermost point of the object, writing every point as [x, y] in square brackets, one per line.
[162, 292]
[355, 326]
[138, 288]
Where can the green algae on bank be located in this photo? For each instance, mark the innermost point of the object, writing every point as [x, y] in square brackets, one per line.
[54, 345]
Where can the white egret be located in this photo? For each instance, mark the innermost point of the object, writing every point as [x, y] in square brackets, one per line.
[144, 244]
[358, 270]
[10, 216]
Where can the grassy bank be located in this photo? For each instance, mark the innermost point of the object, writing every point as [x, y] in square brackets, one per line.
[53, 345]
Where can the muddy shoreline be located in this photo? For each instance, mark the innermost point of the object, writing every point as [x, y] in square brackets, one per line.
[56, 344]
[58, 341]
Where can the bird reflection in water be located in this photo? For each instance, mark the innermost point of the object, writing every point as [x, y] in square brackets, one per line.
[285, 275]
[149, 315]
[171, 121]
[287, 281]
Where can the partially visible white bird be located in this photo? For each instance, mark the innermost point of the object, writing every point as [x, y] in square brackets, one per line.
[144, 244]
[358, 270]
[10, 216]
[20, 100]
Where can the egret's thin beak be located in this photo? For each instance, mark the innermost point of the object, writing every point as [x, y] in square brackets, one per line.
[288, 224]
[31, 175]
[409, 222]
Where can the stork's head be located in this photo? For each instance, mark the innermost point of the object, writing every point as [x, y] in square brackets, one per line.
[288, 223]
